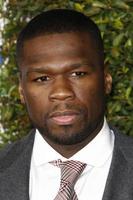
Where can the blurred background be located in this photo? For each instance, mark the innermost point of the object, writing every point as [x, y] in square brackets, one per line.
[115, 20]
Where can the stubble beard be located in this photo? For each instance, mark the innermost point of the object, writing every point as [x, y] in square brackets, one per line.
[74, 133]
[69, 137]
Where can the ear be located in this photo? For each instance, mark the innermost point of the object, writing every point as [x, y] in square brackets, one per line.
[107, 80]
[21, 93]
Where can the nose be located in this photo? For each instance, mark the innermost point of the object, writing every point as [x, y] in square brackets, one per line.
[61, 90]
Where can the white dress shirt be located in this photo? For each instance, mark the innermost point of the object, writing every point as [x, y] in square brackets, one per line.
[45, 178]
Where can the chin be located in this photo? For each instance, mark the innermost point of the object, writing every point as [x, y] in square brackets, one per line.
[66, 136]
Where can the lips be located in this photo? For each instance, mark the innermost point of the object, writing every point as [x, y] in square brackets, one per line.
[64, 117]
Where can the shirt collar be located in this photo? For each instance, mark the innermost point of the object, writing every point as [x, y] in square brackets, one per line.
[96, 153]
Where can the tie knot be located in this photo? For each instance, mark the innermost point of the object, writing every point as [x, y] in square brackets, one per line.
[70, 170]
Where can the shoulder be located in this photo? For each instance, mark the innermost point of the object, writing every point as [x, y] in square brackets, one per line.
[124, 143]
[13, 150]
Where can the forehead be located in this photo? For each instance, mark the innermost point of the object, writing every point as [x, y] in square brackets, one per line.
[59, 47]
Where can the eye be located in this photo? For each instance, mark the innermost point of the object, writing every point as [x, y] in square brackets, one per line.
[42, 79]
[78, 74]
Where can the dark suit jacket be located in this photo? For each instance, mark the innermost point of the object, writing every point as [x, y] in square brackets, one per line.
[15, 166]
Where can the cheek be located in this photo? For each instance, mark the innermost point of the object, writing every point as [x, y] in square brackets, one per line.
[92, 97]
[36, 101]
[92, 100]
[91, 93]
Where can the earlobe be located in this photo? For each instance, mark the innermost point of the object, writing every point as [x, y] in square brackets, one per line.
[21, 94]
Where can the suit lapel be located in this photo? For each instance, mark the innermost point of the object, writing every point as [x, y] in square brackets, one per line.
[14, 172]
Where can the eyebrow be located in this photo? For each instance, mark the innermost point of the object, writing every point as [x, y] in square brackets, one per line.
[46, 68]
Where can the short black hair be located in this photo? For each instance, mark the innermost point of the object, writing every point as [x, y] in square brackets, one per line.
[60, 21]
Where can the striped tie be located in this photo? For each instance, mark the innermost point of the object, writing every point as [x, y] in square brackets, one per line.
[70, 172]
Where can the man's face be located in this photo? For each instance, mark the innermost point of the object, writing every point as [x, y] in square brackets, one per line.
[64, 86]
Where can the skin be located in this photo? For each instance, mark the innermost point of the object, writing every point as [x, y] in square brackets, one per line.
[63, 86]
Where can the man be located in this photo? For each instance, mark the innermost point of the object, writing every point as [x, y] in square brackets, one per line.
[63, 83]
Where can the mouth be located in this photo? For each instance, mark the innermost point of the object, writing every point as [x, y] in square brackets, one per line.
[64, 117]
